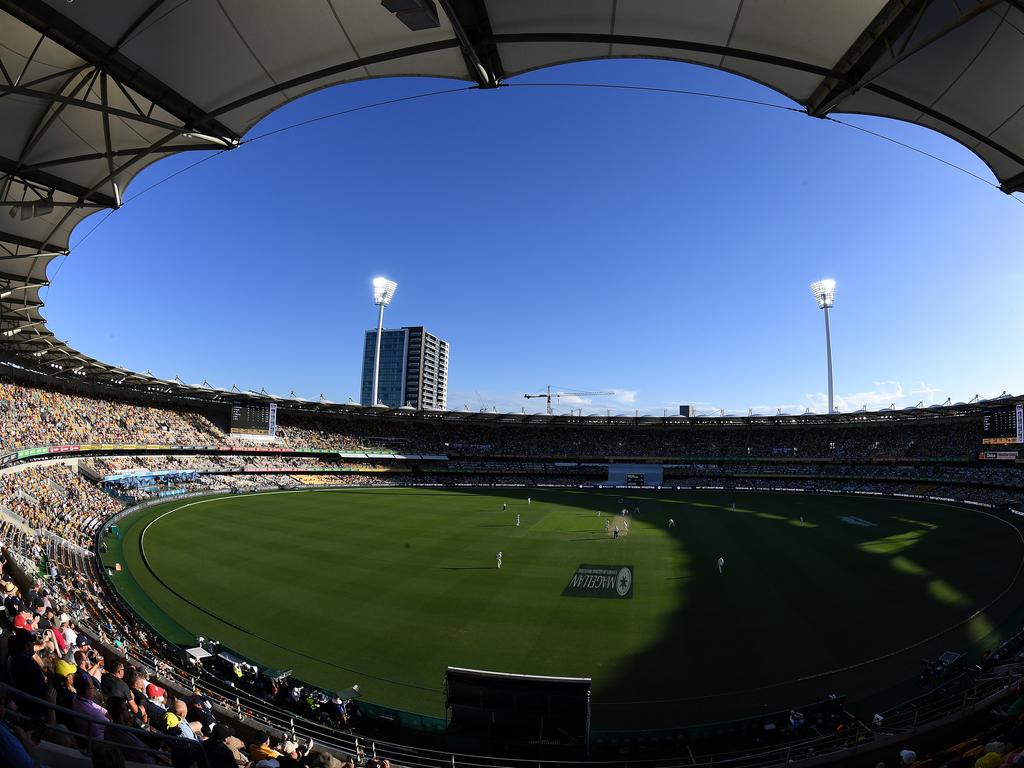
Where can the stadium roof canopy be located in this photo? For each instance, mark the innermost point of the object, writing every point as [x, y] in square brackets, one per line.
[92, 91]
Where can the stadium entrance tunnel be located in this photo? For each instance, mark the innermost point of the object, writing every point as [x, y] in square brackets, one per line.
[402, 583]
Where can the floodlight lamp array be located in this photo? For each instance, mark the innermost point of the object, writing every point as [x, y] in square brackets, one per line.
[383, 290]
[824, 293]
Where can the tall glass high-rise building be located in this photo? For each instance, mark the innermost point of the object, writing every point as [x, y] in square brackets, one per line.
[413, 369]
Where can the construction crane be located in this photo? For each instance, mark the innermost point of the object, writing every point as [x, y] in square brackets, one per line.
[549, 394]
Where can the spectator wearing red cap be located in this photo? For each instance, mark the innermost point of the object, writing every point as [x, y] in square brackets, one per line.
[24, 620]
[156, 703]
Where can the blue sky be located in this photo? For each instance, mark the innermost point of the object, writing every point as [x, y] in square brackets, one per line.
[657, 245]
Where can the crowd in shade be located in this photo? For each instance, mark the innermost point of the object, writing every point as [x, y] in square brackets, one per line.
[75, 689]
[999, 744]
[958, 437]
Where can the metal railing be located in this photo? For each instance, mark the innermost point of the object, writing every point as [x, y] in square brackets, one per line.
[48, 727]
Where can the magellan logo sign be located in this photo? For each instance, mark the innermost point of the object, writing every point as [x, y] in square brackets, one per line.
[615, 581]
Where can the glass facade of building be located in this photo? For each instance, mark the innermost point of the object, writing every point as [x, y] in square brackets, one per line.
[391, 384]
[413, 369]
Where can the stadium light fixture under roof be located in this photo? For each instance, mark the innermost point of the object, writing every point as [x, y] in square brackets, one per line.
[825, 295]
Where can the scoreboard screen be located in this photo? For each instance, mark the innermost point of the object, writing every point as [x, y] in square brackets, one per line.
[254, 418]
[1003, 426]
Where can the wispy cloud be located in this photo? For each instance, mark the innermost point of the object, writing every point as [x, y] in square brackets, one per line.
[884, 394]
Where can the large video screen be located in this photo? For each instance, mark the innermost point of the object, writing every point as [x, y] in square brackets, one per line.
[249, 418]
[1003, 426]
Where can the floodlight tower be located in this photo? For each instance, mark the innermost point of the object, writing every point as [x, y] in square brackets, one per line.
[825, 294]
[383, 292]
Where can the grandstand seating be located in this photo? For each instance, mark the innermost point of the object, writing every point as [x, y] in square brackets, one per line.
[51, 511]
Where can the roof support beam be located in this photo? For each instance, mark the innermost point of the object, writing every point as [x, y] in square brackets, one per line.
[70, 101]
[658, 42]
[935, 115]
[867, 50]
[898, 19]
[40, 247]
[1013, 184]
[321, 74]
[110, 177]
[10, 167]
[66, 33]
[470, 22]
[117, 153]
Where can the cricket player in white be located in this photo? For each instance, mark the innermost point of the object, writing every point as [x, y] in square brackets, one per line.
[499, 560]
[625, 526]
[671, 523]
[721, 562]
[517, 519]
[504, 507]
[608, 526]
[529, 500]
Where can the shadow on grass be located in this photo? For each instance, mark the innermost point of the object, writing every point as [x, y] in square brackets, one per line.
[468, 568]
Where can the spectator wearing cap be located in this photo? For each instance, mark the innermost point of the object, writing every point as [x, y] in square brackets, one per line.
[187, 730]
[24, 619]
[156, 704]
[84, 704]
[12, 603]
[70, 636]
[325, 760]
[132, 746]
[63, 684]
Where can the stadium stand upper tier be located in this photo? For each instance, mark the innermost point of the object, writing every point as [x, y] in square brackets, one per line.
[41, 412]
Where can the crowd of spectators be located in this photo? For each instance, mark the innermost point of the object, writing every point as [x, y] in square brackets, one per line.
[31, 416]
[57, 499]
[78, 694]
[44, 415]
[955, 437]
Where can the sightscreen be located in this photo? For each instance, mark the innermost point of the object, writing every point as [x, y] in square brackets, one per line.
[250, 418]
[1003, 425]
[524, 714]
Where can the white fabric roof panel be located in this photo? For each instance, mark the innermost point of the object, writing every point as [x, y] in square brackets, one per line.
[92, 92]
